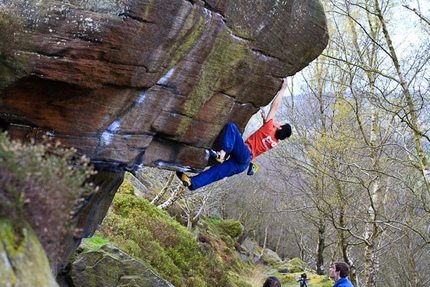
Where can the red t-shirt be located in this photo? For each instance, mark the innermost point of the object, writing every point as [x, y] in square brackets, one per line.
[262, 140]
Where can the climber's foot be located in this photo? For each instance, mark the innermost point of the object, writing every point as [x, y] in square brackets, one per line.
[184, 178]
[218, 155]
[252, 168]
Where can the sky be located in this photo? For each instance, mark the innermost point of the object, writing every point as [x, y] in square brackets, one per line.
[406, 26]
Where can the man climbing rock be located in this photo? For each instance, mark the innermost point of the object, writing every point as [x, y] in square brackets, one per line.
[236, 155]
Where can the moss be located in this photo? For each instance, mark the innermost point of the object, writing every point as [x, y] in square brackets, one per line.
[194, 30]
[225, 56]
[288, 280]
[313, 279]
[297, 265]
[13, 65]
[12, 68]
[137, 223]
[147, 11]
[270, 261]
[8, 26]
[258, 249]
[126, 187]
[195, 282]
[23, 261]
[152, 236]
[92, 244]
[14, 235]
[296, 269]
[231, 228]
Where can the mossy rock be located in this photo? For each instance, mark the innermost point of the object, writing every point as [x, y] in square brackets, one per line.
[298, 265]
[23, 261]
[296, 269]
[231, 228]
[109, 266]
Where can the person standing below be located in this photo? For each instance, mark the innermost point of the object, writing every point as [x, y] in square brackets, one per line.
[272, 281]
[236, 155]
[338, 273]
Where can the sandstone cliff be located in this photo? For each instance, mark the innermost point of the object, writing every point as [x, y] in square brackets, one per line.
[152, 82]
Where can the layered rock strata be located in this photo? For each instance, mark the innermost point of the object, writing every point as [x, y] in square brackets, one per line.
[152, 83]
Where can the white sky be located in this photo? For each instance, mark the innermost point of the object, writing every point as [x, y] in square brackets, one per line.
[405, 26]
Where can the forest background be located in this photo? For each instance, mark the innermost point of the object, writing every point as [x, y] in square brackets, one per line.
[353, 182]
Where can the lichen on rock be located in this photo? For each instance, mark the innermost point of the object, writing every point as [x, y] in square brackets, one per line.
[109, 266]
[23, 262]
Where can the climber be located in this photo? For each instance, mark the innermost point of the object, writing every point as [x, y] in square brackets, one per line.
[236, 155]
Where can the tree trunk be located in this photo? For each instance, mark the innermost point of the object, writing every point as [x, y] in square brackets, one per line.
[411, 117]
[265, 237]
[163, 191]
[175, 195]
[320, 248]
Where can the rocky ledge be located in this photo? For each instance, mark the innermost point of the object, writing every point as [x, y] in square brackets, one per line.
[152, 83]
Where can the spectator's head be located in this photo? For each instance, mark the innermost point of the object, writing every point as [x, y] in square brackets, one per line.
[343, 268]
[272, 281]
[283, 132]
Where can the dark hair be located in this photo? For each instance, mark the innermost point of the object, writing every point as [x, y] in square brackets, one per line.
[272, 281]
[284, 132]
[343, 268]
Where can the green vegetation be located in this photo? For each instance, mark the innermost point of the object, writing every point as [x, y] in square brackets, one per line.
[227, 227]
[92, 244]
[152, 236]
[39, 184]
[12, 66]
[157, 239]
[314, 280]
[40, 172]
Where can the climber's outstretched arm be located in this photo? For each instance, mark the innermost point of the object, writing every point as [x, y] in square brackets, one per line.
[276, 101]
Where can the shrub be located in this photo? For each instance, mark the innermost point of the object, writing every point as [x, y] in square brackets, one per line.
[43, 184]
[231, 228]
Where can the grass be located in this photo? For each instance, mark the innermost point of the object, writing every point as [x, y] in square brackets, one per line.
[92, 243]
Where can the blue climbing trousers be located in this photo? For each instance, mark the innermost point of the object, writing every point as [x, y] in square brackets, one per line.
[232, 143]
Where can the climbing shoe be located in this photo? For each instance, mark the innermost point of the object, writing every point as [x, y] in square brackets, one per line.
[216, 155]
[252, 169]
[184, 178]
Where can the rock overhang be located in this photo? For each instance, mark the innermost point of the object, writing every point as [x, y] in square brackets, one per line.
[132, 83]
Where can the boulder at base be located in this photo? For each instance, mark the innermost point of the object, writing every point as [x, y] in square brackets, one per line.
[109, 266]
[23, 262]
